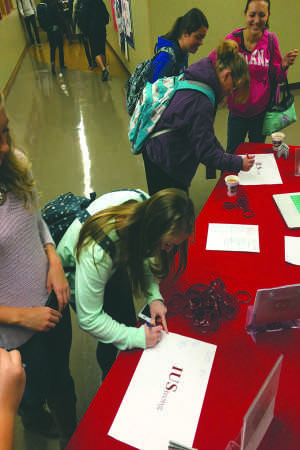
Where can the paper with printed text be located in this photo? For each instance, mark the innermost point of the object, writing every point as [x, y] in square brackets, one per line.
[164, 399]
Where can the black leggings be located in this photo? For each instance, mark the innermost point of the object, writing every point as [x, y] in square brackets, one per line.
[157, 179]
[56, 40]
[118, 303]
[46, 356]
[31, 22]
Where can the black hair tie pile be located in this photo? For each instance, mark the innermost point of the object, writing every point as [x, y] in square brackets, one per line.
[242, 202]
[206, 305]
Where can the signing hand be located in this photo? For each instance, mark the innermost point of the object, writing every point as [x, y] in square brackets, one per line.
[248, 162]
[289, 59]
[158, 311]
[153, 335]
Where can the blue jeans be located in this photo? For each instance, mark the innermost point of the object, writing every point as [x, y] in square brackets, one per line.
[46, 356]
[238, 127]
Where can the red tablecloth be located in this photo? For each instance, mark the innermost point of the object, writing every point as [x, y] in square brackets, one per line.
[240, 365]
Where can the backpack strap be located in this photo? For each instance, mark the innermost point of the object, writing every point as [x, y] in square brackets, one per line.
[275, 92]
[190, 84]
[169, 50]
[271, 45]
[138, 191]
[198, 86]
[166, 49]
[106, 243]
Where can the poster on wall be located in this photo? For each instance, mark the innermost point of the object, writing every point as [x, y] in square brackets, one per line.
[122, 17]
[114, 14]
[121, 30]
[127, 22]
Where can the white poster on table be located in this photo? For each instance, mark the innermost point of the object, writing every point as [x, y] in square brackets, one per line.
[232, 237]
[164, 399]
[264, 171]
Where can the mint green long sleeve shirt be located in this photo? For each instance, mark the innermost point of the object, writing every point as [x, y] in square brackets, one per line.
[91, 275]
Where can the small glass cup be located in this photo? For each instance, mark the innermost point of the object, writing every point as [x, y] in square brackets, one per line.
[277, 140]
[232, 183]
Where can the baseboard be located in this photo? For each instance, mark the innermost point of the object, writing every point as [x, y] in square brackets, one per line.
[118, 58]
[14, 73]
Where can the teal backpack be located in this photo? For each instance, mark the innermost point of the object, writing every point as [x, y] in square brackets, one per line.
[153, 102]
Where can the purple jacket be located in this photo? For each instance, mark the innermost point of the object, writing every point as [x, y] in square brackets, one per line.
[193, 140]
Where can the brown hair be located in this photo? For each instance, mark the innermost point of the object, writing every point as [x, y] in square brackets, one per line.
[141, 226]
[190, 22]
[269, 7]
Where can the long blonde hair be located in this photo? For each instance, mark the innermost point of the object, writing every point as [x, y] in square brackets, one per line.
[15, 173]
[228, 57]
[141, 226]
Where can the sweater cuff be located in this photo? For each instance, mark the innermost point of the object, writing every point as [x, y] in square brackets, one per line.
[137, 338]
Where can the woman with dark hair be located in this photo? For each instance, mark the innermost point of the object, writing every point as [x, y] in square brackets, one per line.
[254, 44]
[186, 36]
[184, 136]
[128, 243]
[30, 270]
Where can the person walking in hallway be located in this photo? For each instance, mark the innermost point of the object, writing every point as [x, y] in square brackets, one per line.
[27, 11]
[97, 19]
[50, 20]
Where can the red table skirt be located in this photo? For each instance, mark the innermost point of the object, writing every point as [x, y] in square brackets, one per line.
[240, 366]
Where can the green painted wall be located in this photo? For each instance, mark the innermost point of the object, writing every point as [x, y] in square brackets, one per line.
[12, 43]
[152, 18]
